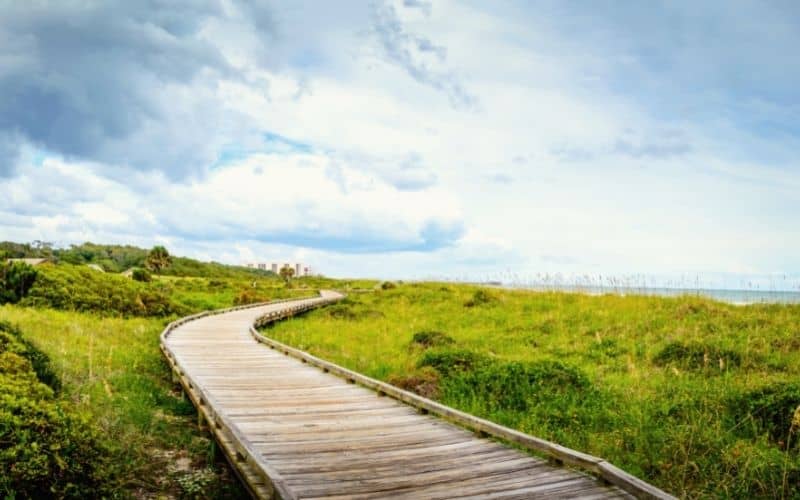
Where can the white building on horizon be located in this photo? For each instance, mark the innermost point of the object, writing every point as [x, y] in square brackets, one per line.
[300, 269]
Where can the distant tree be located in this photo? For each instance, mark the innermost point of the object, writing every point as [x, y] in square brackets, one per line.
[286, 273]
[43, 249]
[158, 259]
[16, 278]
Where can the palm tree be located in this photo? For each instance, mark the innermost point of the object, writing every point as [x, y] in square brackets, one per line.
[158, 259]
[286, 273]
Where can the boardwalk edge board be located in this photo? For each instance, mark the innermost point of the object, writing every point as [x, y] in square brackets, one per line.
[249, 464]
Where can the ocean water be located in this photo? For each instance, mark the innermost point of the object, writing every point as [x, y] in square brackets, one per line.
[750, 296]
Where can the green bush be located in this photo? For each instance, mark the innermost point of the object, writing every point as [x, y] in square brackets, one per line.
[79, 288]
[387, 285]
[11, 340]
[142, 275]
[770, 410]
[431, 338]
[48, 450]
[347, 310]
[117, 258]
[696, 356]
[424, 382]
[451, 361]
[249, 296]
[479, 298]
[518, 385]
[16, 279]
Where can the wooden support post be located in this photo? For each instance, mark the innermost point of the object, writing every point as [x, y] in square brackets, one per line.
[214, 452]
[201, 421]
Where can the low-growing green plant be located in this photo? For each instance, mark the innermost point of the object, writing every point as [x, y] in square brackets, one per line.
[115, 378]
[142, 275]
[450, 361]
[49, 450]
[16, 280]
[347, 310]
[11, 340]
[424, 381]
[480, 297]
[196, 484]
[428, 338]
[697, 356]
[518, 386]
[771, 410]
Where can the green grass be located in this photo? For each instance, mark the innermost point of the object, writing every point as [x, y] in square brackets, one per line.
[79, 288]
[693, 395]
[199, 294]
[106, 355]
[112, 370]
[99, 335]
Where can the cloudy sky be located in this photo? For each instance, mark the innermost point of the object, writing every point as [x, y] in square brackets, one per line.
[410, 138]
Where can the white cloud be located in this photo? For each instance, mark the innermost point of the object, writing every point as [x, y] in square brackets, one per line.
[283, 198]
[434, 139]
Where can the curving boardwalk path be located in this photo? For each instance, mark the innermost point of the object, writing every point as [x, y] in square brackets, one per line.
[291, 430]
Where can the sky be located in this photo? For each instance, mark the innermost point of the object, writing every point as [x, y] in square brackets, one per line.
[411, 138]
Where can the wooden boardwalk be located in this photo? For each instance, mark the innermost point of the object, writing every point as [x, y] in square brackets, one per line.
[294, 426]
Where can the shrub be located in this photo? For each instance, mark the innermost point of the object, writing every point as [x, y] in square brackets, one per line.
[387, 285]
[16, 279]
[250, 296]
[348, 311]
[515, 385]
[605, 347]
[78, 288]
[424, 382]
[451, 361]
[142, 275]
[772, 410]
[217, 284]
[431, 338]
[11, 339]
[479, 298]
[342, 310]
[48, 450]
[196, 484]
[246, 296]
[696, 356]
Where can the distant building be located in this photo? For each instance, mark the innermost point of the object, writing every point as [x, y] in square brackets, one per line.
[299, 268]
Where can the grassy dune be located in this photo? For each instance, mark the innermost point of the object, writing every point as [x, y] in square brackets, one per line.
[112, 371]
[694, 395]
[100, 332]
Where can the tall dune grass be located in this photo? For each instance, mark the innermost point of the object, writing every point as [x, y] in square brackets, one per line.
[693, 395]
